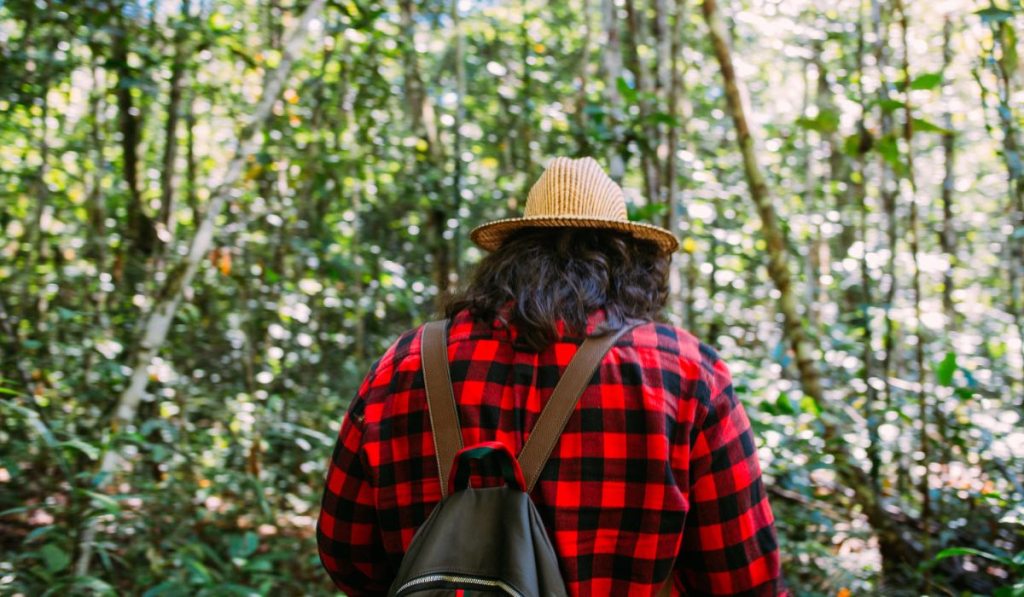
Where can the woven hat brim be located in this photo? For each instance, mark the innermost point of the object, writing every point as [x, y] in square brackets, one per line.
[489, 236]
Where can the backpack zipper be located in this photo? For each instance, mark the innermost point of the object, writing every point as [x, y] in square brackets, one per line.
[459, 579]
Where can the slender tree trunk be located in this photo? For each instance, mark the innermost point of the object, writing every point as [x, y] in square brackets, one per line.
[96, 249]
[893, 544]
[525, 115]
[35, 237]
[158, 322]
[947, 236]
[460, 117]
[140, 235]
[778, 267]
[421, 120]
[947, 241]
[637, 30]
[190, 162]
[582, 80]
[673, 199]
[888, 192]
[165, 218]
[922, 401]
[613, 72]
[10, 358]
[1005, 66]
[856, 180]
[812, 189]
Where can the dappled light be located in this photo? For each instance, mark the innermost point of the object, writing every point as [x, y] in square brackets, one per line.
[215, 217]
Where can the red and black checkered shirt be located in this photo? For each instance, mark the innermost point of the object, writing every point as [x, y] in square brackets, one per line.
[656, 470]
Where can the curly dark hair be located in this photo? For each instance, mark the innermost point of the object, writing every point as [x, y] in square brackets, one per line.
[553, 274]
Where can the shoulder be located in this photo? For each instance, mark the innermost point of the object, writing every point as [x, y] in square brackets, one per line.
[676, 347]
[397, 357]
[400, 359]
[674, 341]
[403, 354]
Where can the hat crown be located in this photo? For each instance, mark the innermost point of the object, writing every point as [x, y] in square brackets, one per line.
[576, 187]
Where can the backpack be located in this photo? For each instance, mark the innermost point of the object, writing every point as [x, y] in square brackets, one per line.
[489, 539]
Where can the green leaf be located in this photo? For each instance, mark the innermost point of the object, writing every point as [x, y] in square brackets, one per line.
[826, 121]
[645, 212]
[199, 572]
[95, 585]
[890, 151]
[233, 589]
[168, 589]
[970, 551]
[219, 23]
[39, 532]
[964, 393]
[1016, 590]
[628, 93]
[104, 501]
[994, 15]
[243, 546]
[810, 405]
[1009, 47]
[91, 451]
[32, 418]
[662, 118]
[67, 314]
[926, 81]
[926, 126]
[945, 369]
[891, 105]
[55, 558]
[784, 404]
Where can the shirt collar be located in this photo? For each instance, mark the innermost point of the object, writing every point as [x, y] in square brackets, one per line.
[502, 321]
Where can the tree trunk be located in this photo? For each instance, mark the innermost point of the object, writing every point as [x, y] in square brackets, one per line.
[580, 115]
[673, 201]
[158, 322]
[947, 236]
[857, 177]
[893, 544]
[421, 120]
[648, 140]
[913, 224]
[613, 72]
[888, 194]
[778, 267]
[140, 235]
[165, 219]
[1005, 67]
[460, 117]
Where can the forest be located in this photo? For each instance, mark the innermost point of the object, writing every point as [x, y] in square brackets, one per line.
[216, 214]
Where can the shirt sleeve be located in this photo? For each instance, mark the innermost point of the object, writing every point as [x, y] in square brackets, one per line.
[348, 538]
[729, 542]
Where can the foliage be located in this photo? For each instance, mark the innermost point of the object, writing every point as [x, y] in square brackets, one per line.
[399, 129]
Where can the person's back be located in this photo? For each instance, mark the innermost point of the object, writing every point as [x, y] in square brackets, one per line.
[656, 470]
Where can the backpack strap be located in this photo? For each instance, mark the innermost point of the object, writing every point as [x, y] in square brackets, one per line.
[562, 403]
[444, 416]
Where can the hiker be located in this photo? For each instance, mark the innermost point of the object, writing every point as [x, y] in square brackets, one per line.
[654, 482]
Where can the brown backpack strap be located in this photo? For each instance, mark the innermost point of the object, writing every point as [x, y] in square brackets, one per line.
[444, 415]
[562, 403]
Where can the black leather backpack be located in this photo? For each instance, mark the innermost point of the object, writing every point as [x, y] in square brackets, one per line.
[489, 540]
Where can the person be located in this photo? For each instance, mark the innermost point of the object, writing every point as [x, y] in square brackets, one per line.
[656, 473]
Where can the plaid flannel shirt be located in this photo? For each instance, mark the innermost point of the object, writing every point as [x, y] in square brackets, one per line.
[656, 471]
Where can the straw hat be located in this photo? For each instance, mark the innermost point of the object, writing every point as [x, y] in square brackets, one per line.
[574, 193]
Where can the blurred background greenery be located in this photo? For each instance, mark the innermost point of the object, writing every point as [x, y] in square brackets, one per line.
[215, 214]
